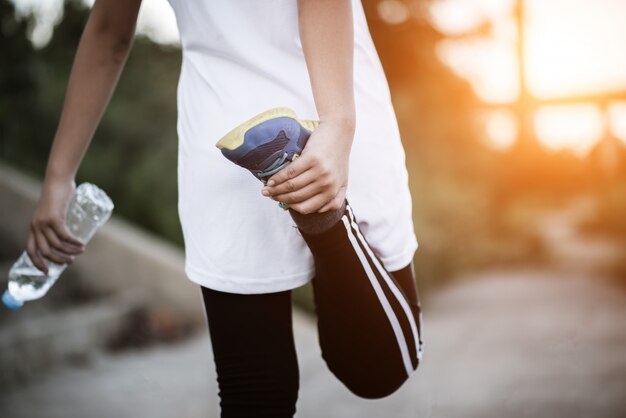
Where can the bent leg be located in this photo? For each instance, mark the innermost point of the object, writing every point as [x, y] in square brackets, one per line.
[369, 319]
[254, 353]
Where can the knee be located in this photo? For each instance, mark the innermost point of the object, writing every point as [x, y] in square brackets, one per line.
[375, 390]
[373, 382]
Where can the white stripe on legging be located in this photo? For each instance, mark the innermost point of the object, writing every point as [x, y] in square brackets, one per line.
[392, 286]
[395, 325]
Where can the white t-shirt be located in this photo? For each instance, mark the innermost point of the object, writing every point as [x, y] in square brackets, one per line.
[241, 58]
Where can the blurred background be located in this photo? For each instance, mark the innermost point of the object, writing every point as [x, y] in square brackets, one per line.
[513, 118]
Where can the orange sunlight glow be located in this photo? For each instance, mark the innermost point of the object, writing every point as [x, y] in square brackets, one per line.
[575, 46]
[617, 119]
[501, 127]
[576, 126]
[572, 47]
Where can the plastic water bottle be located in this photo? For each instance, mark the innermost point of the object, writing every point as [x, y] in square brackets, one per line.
[89, 209]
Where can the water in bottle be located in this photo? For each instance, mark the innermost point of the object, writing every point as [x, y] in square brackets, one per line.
[89, 209]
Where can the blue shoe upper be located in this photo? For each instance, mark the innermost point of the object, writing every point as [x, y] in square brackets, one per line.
[269, 146]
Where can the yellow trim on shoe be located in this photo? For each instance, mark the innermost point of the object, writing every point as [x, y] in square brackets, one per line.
[234, 139]
[309, 124]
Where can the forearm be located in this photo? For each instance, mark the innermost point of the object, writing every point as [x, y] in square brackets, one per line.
[100, 57]
[329, 56]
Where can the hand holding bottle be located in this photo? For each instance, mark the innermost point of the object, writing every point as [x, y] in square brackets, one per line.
[48, 235]
[66, 217]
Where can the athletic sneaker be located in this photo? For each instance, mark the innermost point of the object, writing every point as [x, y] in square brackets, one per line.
[268, 142]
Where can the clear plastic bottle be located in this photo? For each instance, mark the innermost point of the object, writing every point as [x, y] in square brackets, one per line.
[89, 209]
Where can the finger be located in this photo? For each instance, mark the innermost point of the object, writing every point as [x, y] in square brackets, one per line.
[311, 205]
[72, 244]
[61, 249]
[292, 170]
[291, 185]
[61, 230]
[33, 253]
[299, 195]
[44, 248]
[334, 205]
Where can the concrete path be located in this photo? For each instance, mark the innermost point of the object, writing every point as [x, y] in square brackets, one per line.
[503, 344]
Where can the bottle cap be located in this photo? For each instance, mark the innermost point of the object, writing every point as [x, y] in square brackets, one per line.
[10, 302]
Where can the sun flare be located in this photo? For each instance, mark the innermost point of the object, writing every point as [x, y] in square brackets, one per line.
[572, 47]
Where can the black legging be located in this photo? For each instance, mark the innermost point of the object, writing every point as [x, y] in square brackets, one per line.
[369, 324]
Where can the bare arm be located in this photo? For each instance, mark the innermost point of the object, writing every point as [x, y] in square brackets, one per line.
[100, 57]
[317, 181]
[327, 36]
[101, 54]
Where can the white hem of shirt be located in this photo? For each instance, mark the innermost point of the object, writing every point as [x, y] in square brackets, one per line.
[256, 285]
[247, 285]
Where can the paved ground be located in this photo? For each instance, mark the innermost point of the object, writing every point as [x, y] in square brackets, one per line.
[522, 343]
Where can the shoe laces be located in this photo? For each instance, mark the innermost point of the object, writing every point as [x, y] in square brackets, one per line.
[276, 166]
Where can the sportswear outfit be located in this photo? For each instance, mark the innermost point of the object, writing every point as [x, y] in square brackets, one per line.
[241, 58]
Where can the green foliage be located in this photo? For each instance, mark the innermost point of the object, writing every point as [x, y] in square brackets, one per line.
[19, 86]
[133, 155]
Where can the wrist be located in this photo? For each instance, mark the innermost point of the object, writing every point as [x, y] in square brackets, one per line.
[52, 186]
[346, 122]
[59, 175]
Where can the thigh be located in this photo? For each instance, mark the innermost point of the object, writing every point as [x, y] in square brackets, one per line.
[254, 353]
[405, 279]
[367, 316]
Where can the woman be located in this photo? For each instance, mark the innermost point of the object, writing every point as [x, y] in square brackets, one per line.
[310, 59]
